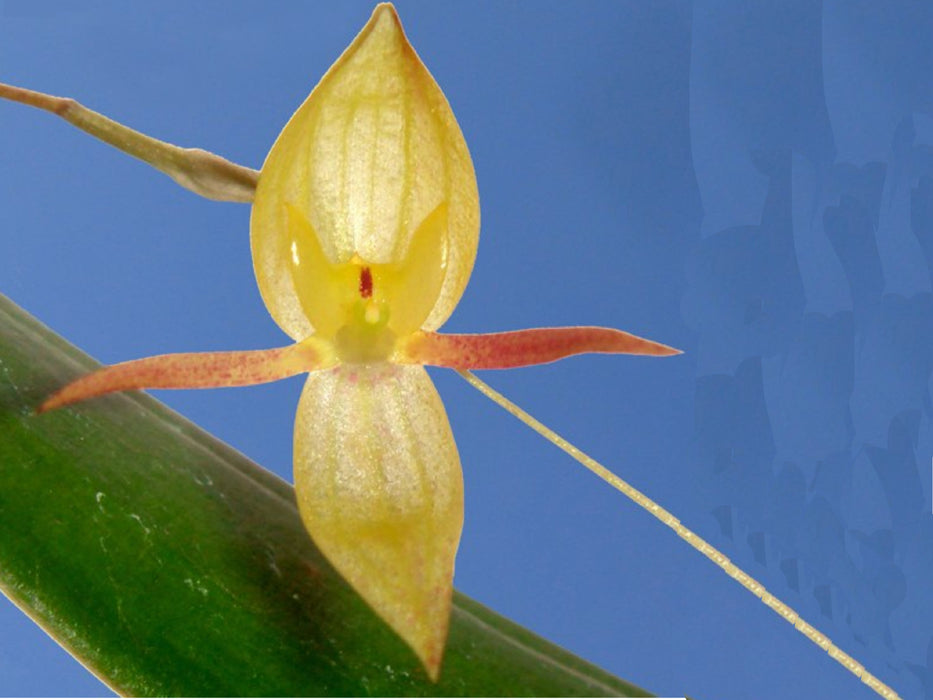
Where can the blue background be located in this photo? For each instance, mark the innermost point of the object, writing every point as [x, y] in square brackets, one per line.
[751, 182]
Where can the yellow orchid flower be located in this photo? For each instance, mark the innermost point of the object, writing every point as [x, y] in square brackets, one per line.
[364, 231]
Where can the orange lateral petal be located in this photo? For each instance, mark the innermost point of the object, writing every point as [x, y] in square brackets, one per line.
[193, 370]
[534, 346]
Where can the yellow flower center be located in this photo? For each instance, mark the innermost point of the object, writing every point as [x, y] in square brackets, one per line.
[361, 307]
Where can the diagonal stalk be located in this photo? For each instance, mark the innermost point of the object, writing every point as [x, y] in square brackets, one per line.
[200, 171]
[694, 540]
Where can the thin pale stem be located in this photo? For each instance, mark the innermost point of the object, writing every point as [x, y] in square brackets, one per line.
[694, 540]
[198, 170]
[533, 346]
[193, 370]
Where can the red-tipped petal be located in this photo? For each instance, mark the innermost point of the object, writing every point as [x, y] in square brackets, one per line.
[192, 371]
[534, 346]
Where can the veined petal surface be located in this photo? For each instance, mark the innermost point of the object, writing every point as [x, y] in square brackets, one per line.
[380, 490]
[369, 155]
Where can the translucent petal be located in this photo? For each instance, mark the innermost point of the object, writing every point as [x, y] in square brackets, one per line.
[410, 285]
[373, 151]
[380, 490]
[323, 288]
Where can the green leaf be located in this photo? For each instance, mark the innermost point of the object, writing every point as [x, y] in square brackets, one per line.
[171, 565]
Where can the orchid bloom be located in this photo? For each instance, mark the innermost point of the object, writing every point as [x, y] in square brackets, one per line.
[364, 231]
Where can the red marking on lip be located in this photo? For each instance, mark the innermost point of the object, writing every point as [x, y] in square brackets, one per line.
[366, 283]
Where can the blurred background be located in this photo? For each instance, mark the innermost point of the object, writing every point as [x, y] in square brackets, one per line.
[751, 182]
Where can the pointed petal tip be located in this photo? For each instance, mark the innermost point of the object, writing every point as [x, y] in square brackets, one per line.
[428, 644]
[645, 347]
[385, 16]
[59, 399]
[432, 666]
[385, 8]
[427, 637]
